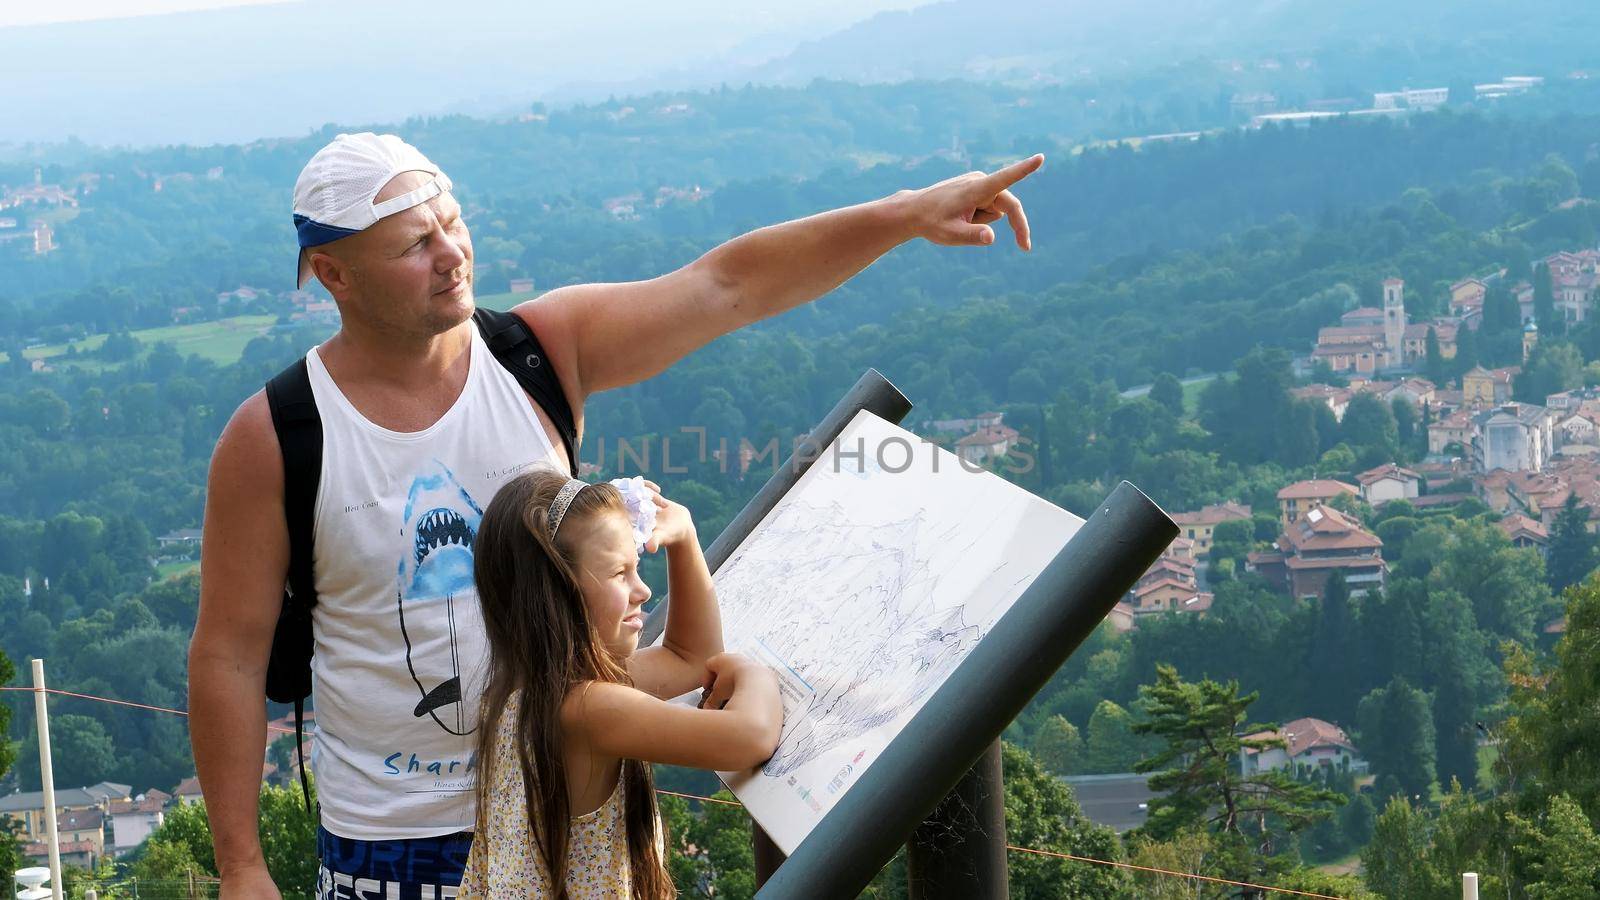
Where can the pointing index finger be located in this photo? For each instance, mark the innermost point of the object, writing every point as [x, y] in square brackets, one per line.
[1013, 173]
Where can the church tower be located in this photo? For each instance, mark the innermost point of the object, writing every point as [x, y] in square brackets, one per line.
[1394, 321]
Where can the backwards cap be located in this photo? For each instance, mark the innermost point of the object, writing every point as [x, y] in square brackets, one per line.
[334, 193]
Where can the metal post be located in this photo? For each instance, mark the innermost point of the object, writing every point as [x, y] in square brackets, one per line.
[1469, 886]
[987, 690]
[871, 392]
[959, 852]
[47, 776]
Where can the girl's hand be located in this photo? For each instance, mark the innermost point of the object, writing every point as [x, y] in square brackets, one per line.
[673, 523]
[724, 672]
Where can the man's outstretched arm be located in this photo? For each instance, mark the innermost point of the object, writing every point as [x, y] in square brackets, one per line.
[610, 335]
[244, 561]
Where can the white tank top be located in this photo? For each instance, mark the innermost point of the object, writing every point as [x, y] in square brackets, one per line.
[400, 651]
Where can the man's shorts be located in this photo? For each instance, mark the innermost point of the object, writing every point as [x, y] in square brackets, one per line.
[415, 869]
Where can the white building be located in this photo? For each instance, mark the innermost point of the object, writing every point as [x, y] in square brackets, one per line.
[133, 819]
[1389, 482]
[1517, 437]
[1308, 744]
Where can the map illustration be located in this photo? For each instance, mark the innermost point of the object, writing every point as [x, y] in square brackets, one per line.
[864, 589]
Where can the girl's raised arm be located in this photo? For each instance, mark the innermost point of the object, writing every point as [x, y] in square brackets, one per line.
[694, 626]
[614, 720]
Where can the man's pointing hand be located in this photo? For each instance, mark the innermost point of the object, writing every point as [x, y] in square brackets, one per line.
[957, 211]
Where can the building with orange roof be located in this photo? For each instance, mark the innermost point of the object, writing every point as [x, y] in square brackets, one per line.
[1317, 544]
[1198, 525]
[1308, 744]
[1300, 496]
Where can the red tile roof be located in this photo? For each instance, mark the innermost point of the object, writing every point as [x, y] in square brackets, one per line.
[1387, 470]
[1315, 489]
[1307, 734]
[1215, 513]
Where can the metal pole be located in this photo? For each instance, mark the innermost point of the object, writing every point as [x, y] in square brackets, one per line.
[959, 852]
[985, 692]
[47, 776]
[1469, 886]
[871, 392]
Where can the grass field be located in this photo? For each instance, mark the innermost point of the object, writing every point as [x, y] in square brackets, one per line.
[221, 341]
[174, 568]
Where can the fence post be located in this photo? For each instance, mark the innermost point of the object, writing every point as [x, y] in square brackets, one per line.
[47, 777]
[959, 852]
[1469, 886]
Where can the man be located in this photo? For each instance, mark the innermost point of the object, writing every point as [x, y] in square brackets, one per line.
[419, 430]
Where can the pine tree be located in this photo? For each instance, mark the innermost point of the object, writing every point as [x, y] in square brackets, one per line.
[1435, 360]
[1196, 773]
[1335, 656]
[1573, 550]
[1544, 303]
[1466, 350]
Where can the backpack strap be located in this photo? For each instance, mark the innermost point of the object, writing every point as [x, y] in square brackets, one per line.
[299, 429]
[513, 343]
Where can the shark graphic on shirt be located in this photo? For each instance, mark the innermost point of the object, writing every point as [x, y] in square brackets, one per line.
[440, 521]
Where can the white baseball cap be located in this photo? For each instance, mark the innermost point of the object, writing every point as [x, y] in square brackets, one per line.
[334, 193]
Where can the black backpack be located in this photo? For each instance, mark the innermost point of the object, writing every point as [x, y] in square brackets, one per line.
[299, 428]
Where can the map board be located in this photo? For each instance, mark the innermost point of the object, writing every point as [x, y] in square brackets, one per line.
[863, 588]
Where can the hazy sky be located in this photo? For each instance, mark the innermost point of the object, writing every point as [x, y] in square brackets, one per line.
[37, 12]
[204, 71]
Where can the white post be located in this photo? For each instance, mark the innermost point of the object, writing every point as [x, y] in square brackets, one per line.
[47, 777]
[1469, 886]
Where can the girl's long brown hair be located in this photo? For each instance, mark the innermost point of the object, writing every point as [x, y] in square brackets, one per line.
[541, 646]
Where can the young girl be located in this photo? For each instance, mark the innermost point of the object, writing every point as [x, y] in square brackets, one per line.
[574, 712]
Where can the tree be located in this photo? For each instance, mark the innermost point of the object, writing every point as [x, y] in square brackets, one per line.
[1369, 428]
[1057, 746]
[288, 841]
[1561, 852]
[1195, 771]
[1397, 738]
[1233, 539]
[1574, 552]
[1300, 441]
[1434, 366]
[1395, 859]
[1113, 746]
[1554, 366]
[1544, 303]
[1335, 654]
[1556, 714]
[10, 849]
[1505, 584]
[1466, 350]
[1168, 392]
[709, 852]
[81, 752]
[1405, 422]
[1189, 851]
[1042, 813]
[1455, 651]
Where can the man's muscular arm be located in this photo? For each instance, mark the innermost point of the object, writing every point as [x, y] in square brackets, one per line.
[244, 560]
[603, 336]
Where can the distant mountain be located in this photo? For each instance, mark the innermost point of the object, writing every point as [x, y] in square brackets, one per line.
[1073, 39]
[229, 75]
